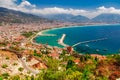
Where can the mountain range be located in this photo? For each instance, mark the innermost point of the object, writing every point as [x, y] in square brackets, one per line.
[7, 15]
[102, 18]
[108, 18]
[67, 18]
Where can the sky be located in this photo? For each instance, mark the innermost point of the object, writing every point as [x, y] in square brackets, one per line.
[88, 8]
[84, 4]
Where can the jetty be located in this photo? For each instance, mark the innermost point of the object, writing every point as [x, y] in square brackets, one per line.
[48, 35]
[61, 41]
[88, 41]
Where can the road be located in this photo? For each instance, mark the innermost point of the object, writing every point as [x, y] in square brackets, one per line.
[28, 68]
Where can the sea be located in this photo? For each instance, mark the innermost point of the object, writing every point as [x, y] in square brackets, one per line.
[92, 39]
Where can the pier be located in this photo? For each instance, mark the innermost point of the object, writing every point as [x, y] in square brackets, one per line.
[48, 35]
[61, 40]
[88, 41]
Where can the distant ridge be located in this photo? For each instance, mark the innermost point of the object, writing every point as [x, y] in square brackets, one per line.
[107, 18]
[68, 18]
[102, 18]
[12, 16]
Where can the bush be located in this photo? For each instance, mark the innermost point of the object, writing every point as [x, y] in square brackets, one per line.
[70, 64]
[4, 66]
[27, 34]
[5, 76]
[36, 54]
[16, 77]
[1, 78]
[7, 58]
[15, 64]
[21, 69]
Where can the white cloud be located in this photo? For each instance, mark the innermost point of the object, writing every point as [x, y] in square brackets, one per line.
[26, 6]
[7, 3]
[56, 10]
[102, 10]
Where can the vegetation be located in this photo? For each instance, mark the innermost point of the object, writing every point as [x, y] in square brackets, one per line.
[37, 54]
[7, 58]
[88, 68]
[4, 76]
[4, 66]
[72, 67]
[27, 34]
[15, 64]
[20, 69]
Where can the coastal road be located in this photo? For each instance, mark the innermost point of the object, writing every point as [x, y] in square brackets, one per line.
[19, 55]
[27, 68]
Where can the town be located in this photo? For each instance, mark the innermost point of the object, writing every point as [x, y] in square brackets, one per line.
[20, 58]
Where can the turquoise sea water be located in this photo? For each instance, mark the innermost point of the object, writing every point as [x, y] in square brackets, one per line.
[85, 33]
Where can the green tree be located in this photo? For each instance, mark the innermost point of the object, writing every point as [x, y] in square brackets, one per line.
[36, 54]
[5, 75]
[4, 66]
[16, 77]
[54, 75]
[70, 64]
[53, 64]
[73, 75]
[20, 69]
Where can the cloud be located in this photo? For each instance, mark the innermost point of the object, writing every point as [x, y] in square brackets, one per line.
[89, 14]
[56, 10]
[26, 6]
[103, 10]
[8, 3]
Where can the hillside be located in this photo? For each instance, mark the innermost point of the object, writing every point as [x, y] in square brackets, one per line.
[102, 18]
[67, 18]
[11, 16]
[107, 18]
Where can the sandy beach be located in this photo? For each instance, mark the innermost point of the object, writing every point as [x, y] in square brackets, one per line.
[60, 41]
[34, 36]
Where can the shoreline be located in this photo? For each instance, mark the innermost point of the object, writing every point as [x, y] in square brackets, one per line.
[61, 42]
[32, 39]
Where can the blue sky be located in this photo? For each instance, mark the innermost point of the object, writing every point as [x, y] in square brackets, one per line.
[84, 4]
[88, 8]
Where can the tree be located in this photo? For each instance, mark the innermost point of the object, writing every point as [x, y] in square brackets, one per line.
[4, 66]
[70, 64]
[73, 75]
[20, 69]
[5, 75]
[54, 75]
[53, 64]
[36, 54]
[16, 77]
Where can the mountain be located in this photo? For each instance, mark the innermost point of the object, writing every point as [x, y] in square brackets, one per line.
[103, 18]
[12, 16]
[107, 18]
[67, 18]
[80, 18]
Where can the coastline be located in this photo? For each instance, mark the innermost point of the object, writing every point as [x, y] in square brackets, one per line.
[32, 39]
[61, 40]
